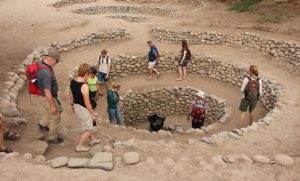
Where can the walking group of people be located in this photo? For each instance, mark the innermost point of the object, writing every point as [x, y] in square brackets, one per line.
[90, 81]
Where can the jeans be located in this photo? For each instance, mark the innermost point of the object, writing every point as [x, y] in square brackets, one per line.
[114, 113]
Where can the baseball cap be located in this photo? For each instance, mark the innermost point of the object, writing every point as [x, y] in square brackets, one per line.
[53, 54]
[200, 94]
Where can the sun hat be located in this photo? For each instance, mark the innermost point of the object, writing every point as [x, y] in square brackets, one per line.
[53, 54]
[200, 94]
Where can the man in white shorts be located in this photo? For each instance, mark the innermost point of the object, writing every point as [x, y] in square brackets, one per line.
[153, 58]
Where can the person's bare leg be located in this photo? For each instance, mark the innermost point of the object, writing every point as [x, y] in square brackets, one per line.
[183, 72]
[243, 115]
[2, 146]
[84, 138]
[180, 73]
[251, 117]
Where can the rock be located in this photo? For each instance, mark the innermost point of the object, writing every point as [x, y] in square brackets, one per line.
[10, 112]
[261, 159]
[102, 160]
[27, 156]
[130, 158]
[16, 121]
[12, 155]
[191, 130]
[107, 148]
[40, 159]
[129, 143]
[238, 158]
[169, 161]
[206, 140]
[59, 162]
[9, 84]
[283, 160]
[37, 147]
[217, 160]
[77, 162]
[118, 162]
[162, 133]
[95, 149]
[237, 131]
[4, 104]
[233, 135]
[2, 154]
[191, 141]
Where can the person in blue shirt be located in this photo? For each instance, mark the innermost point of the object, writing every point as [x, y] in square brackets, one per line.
[153, 58]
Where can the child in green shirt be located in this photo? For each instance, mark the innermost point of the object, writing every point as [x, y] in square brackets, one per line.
[93, 84]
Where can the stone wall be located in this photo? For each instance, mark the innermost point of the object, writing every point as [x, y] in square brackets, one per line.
[287, 51]
[135, 19]
[126, 65]
[181, 2]
[127, 9]
[137, 106]
[91, 38]
[63, 3]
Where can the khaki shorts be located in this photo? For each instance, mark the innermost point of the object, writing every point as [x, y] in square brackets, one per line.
[85, 117]
[245, 103]
[151, 65]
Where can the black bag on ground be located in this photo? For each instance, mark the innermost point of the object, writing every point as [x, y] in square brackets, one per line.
[156, 122]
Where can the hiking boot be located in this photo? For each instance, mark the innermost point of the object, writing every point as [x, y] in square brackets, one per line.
[95, 141]
[58, 140]
[81, 148]
[149, 78]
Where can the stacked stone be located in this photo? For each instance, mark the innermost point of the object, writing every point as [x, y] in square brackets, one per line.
[70, 2]
[125, 65]
[135, 19]
[287, 51]
[201, 3]
[137, 106]
[127, 9]
[91, 38]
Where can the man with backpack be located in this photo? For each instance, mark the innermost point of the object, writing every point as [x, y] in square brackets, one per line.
[153, 58]
[198, 110]
[42, 82]
[252, 90]
[103, 67]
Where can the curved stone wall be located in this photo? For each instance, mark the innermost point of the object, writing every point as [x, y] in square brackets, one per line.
[63, 3]
[137, 106]
[287, 51]
[181, 2]
[127, 9]
[132, 19]
[204, 66]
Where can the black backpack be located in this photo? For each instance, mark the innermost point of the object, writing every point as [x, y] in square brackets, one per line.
[156, 122]
[99, 59]
[252, 89]
[189, 55]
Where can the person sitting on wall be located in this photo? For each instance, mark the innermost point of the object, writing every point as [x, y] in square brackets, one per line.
[198, 111]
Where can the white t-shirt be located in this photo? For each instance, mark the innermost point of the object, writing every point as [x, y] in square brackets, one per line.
[245, 82]
[104, 63]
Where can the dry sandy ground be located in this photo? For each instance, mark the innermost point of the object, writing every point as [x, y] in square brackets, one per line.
[26, 24]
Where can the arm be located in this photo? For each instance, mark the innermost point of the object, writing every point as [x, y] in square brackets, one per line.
[245, 82]
[183, 57]
[50, 101]
[189, 113]
[86, 98]
[97, 65]
[71, 99]
[108, 67]
[260, 88]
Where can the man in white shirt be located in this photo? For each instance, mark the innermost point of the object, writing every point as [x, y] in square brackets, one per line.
[103, 67]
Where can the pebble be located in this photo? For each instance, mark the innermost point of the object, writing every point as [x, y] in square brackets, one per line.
[59, 162]
[261, 159]
[40, 159]
[27, 156]
[283, 160]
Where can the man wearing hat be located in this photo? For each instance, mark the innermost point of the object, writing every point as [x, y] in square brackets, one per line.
[198, 110]
[47, 84]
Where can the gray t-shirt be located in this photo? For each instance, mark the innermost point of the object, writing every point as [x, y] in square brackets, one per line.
[46, 79]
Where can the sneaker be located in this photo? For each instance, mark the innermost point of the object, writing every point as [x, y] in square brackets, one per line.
[81, 148]
[158, 75]
[58, 140]
[43, 128]
[149, 78]
[95, 141]
[96, 114]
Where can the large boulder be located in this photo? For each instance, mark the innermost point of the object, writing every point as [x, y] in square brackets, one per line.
[37, 147]
[77, 162]
[59, 162]
[102, 160]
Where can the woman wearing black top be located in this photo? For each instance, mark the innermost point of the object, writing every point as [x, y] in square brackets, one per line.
[184, 59]
[80, 102]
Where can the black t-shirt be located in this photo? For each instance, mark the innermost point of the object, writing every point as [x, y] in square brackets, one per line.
[76, 91]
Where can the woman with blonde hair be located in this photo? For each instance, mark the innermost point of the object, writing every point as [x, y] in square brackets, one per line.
[113, 104]
[80, 102]
[252, 90]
